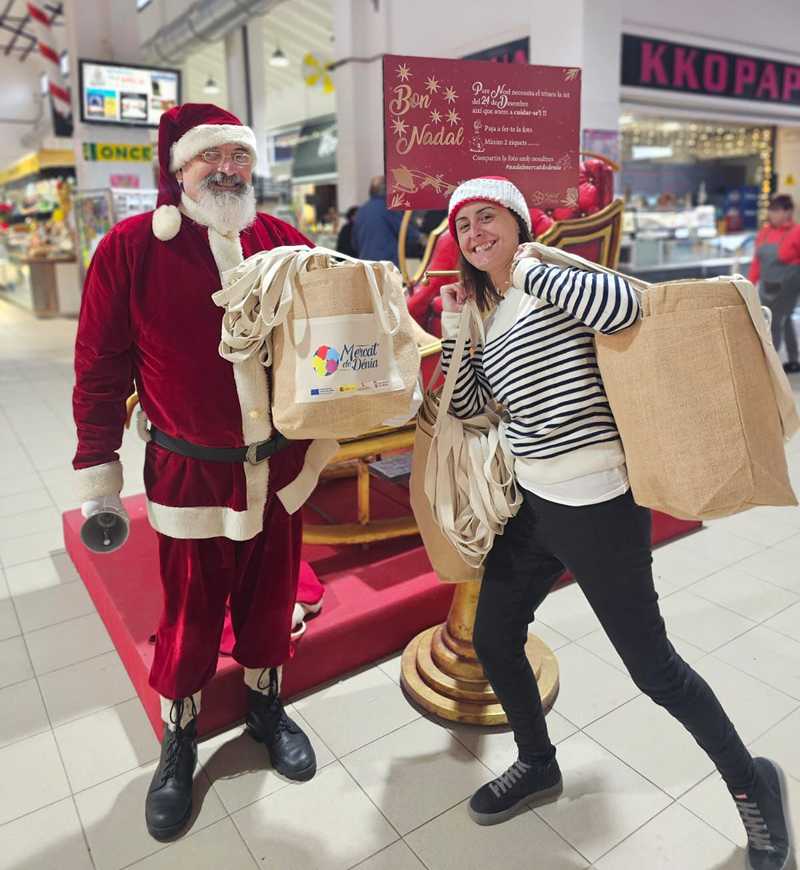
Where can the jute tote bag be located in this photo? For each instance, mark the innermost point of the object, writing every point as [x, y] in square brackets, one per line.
[463, 489]
[699, 395]
[336, 332]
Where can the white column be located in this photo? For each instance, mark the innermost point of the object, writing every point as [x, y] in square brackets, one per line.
[587, 34]
[238, 63]
[258, 90]
[360, 30]
[111, 33]
[235, 74]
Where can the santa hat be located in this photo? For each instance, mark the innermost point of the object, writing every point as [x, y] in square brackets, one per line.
[489, 188]
[183, 132]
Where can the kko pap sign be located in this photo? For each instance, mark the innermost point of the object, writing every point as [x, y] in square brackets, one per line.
[690, 69]
[446, 121]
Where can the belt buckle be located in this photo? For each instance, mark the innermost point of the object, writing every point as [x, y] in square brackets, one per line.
[252, 451]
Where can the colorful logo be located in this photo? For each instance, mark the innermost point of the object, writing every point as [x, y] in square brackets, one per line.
[325, 360]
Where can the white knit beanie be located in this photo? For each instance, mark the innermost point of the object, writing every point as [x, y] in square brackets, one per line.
[489, 188]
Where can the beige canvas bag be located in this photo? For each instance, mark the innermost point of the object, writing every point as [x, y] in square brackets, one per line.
[699, 396]
[463, 489]
[336, 332]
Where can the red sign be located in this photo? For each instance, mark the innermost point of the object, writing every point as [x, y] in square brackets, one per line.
[446, 121]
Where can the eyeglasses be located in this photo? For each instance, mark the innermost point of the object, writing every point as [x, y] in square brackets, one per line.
[214, 157]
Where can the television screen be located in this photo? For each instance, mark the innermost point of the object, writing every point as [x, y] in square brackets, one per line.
[131, 96]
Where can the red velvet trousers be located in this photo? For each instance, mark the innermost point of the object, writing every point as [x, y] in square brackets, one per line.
[259, 577]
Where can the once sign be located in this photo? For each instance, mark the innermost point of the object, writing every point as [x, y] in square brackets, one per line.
[123, 153]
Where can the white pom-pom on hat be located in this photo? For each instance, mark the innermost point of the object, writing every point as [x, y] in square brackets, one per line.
[166, 222]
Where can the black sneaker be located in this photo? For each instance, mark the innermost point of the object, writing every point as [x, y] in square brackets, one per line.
[763, 812]
[521, 785]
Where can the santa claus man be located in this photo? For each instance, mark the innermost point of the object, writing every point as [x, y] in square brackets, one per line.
[223, 489]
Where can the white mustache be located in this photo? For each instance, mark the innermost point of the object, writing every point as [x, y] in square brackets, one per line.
[222, 178]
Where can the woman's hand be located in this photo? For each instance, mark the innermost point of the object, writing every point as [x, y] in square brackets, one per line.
[525, 251]
[453, 297]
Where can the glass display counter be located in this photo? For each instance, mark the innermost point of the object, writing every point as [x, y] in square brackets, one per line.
[662, 246]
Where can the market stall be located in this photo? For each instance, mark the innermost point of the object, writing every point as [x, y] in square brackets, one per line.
[37, 253]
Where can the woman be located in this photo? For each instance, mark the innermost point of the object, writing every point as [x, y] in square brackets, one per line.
[776, 265]
[539, 362]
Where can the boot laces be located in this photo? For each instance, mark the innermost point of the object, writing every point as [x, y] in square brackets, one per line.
[269, 691]
[758, 835]
[511, 777]
[177, 742]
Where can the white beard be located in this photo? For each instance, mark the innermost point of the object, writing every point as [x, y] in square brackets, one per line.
[227, 212]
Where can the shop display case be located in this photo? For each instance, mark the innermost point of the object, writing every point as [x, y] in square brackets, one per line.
[661, 245]
[37, 250]
[96, 211]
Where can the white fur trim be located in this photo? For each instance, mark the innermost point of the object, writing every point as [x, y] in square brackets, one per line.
[227, 250]
[252, 389]
[496, 190]
[98, 481]
[206, 522]
[166, 222]
[188, 713]
[251, 676]
[294, 495]
[223, 522]
[205, 136]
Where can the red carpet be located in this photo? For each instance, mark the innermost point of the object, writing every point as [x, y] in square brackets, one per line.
[376, 599]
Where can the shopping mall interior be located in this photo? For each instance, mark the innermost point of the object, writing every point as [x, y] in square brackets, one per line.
[684, 131]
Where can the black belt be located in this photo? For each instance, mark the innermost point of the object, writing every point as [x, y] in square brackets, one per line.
[253, 453]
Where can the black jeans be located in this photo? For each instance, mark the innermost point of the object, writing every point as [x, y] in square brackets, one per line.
[607, 548]
[781, 300]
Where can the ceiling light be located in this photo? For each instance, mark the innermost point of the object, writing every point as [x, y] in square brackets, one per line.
[278, 58]
[211, 87]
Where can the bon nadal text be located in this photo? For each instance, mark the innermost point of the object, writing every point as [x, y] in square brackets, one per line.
[430, 133]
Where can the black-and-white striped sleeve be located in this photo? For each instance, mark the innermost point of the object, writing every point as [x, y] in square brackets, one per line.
[472, 390]
[603, 302]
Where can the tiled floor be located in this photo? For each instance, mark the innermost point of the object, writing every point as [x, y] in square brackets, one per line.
[77, 753]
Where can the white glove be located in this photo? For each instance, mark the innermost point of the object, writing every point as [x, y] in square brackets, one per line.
[106, 503]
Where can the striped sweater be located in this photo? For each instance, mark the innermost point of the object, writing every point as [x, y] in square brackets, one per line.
[539, 362]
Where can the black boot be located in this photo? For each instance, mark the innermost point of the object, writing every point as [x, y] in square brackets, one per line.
[168, 807]
[290, 751]
[763, 812]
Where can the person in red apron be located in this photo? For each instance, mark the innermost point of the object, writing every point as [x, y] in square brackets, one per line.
[776, 270]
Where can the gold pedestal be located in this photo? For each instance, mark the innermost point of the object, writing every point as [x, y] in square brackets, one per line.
[441, 671]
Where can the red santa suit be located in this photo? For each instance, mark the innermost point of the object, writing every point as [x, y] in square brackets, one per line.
[225, 530]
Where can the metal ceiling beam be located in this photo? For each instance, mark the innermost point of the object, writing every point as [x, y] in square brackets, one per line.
[17, 32]
[14, 30]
